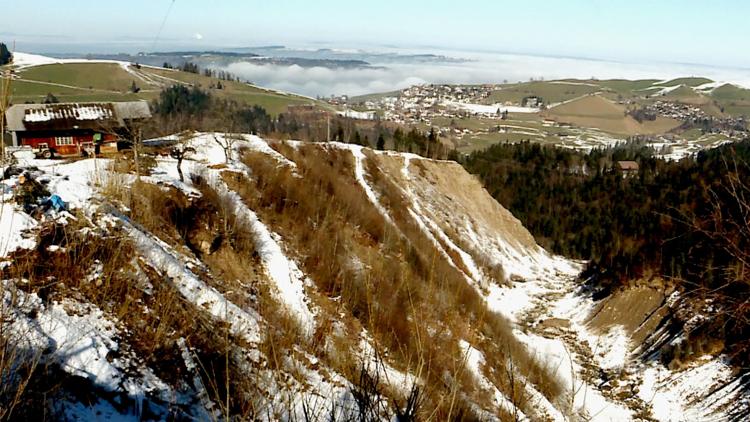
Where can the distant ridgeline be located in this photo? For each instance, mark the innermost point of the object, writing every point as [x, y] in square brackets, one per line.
[686, 222]
[214, 59]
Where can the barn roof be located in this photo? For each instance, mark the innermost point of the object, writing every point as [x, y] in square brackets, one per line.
[61, 116]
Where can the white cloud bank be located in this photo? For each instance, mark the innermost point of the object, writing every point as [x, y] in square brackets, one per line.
[485, 68]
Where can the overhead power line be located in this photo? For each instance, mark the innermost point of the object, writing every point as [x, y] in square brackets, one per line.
[161, 27]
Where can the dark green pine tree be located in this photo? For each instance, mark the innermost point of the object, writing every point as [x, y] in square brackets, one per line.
[381, 142]
[340, 134]
[5, 55]
[50, 99]
[398, 139]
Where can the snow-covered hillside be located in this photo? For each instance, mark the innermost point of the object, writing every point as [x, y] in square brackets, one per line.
[27, 60]
[299, 281]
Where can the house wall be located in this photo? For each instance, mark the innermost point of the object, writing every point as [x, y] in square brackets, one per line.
[62, 142]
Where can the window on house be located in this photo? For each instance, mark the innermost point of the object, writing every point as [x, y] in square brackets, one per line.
[64, 140]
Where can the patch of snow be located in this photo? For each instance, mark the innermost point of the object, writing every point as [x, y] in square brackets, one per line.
[709, 86]
[683, 395]
[210, 412]
[74, 182]
[668, 89]
[359, 175]
[489, 110]
[81, 341]
[586, 399]
[539, 401]
[209, 150]
[79, 112]
[84, 342]
[612, 348]
[511, 302]
[26, 60]
[23, 60]
[284, 272]
[13, 225]
[288, 279]
[359, 115]
[245, 323]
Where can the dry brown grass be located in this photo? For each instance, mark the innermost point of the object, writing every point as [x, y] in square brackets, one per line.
[118, 290]
[598, 112]
[391, 281]
[483, 323]
[207, 228]
[139, 297]
[400, 288]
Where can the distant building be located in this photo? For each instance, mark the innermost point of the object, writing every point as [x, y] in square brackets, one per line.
[340, 100]
[359, 115]
[628, 168]
[73, 128]
[531, 101]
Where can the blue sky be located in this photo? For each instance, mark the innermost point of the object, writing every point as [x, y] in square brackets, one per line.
[689, 31]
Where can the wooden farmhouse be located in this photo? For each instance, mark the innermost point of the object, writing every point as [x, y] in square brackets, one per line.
[69, 129]
[628, 168]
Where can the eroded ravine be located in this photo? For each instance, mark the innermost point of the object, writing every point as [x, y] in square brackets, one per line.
[616, 385]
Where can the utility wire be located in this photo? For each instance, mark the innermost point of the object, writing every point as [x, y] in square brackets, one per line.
[161, 28]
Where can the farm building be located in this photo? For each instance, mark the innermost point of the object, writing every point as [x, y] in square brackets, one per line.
[73, 128]
[628, 168]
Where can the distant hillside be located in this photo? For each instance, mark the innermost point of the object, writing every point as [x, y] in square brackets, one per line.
[82, 80]
[691, 82]
[716, 99]
[595, 111]
[218, 59]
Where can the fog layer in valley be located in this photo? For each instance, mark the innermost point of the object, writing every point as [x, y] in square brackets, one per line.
[477, 68]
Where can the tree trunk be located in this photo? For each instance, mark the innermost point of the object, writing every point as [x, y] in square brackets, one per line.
[136, 154]
[179, 169]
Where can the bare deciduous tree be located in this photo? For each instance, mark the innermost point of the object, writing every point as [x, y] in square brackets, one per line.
[729, 226]
[180, 151]
[227, 142]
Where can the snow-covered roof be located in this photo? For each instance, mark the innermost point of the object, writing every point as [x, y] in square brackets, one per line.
[24, 117]
[68, 112]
